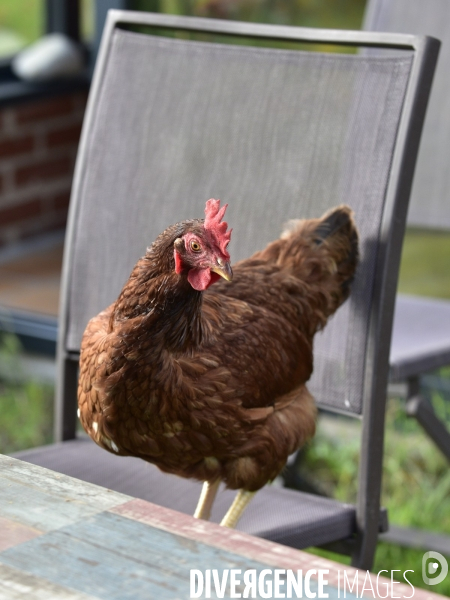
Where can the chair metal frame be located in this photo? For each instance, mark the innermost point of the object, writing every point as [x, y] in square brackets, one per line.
[392, 228]
[411, 370]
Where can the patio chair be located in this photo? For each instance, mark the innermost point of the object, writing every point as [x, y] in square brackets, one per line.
[421, 334]
[277, 133]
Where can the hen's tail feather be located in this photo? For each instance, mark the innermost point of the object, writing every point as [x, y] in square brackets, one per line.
[336, 219]
[339, 222]
[323, 253]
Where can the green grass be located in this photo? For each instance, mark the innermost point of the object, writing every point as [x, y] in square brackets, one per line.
[346, 14]
[425, 265]
[26, 407]
[335, 14]
[21, 22]
[416, 484]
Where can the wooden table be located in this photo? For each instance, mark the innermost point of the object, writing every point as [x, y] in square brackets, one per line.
[61, 538]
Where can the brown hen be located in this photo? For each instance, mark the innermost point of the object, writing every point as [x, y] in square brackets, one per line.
[209, 382]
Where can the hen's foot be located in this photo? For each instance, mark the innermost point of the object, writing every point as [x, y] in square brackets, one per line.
[206, 500]
[235, 511]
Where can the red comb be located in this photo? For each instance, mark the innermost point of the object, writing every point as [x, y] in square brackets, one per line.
[214, 215]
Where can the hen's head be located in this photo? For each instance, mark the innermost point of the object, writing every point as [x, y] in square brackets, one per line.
[202, 251]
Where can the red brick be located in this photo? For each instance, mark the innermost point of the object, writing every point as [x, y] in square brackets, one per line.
[21, 212]
[28, 232]
[80, 101]
[44, 170]
[44, 109]
[15, 146]
[62, 137]
[59, 220]
[61, 201]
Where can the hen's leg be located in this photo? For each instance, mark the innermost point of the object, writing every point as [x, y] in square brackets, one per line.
[206, 500]
[235, 511]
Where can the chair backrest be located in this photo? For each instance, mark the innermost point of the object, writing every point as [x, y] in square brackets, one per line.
[276, 133]
[430, 197]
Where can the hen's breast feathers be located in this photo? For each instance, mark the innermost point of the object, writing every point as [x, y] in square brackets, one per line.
[233, 404]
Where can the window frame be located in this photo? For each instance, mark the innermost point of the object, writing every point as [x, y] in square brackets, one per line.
[63, 16]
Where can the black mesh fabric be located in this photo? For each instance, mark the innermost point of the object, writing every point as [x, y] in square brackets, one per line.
[277, 134]
[281, 515]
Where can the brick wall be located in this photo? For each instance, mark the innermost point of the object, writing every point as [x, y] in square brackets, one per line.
[38, 145]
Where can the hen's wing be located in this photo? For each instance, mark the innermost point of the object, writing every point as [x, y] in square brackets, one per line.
[305, 275]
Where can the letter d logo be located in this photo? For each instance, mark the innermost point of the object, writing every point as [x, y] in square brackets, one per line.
[429, 568]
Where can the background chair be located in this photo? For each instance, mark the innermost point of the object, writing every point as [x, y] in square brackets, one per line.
[421, 335]
[278, 133]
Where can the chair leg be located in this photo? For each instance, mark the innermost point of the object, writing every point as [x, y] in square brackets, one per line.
[419, 408]
[422, 410]
[66, 399]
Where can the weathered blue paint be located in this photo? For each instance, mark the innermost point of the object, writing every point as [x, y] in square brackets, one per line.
[91, 543]
[18, 585]
[44, 500]
[115, 558]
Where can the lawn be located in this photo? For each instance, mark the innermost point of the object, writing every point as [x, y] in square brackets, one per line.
[26, 407]
[21, 22]
[416, 483]
[345, 14]
[425, 266]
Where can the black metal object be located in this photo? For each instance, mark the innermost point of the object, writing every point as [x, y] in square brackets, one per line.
[13, 91]
[66, 387]
[37, 333]
[101, 11]
[423, 412]
[415, 538]
[350, 545]
[421, 409]
[63, 16]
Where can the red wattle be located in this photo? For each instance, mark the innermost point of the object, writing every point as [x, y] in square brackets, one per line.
[214, 277]
[178, 262]
[200, 279]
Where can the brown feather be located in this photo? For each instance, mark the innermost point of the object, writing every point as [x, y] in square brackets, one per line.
[212, 384]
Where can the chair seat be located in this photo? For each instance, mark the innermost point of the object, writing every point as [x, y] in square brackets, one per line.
[278, 514]
[420, 337]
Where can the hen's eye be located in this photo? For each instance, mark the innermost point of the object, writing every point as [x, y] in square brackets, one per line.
[195, 246]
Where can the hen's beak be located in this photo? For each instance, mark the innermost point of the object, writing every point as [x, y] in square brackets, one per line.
[223, 269]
